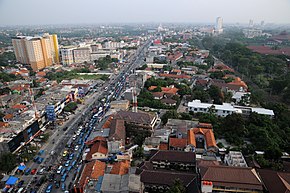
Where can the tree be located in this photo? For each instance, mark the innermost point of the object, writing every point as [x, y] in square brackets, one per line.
[157, 89]
[177, 187]
[216, 94]
[7, 162]
[172, 114]
[70, 107]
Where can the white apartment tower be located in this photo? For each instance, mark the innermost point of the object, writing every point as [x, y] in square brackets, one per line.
[219, 25]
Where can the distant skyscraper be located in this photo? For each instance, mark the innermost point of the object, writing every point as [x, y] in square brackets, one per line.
[251, 23]
[219, 25]
[262, 23]
[39, 52]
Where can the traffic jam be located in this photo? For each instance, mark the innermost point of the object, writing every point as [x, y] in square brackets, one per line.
[65, 173]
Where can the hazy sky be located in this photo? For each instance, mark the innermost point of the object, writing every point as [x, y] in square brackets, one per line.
[15, 12]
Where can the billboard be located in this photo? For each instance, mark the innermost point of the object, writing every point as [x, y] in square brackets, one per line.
[50, 113]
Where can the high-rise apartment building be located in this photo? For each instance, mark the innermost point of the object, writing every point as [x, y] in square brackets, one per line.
[39, 52]
[219, 25]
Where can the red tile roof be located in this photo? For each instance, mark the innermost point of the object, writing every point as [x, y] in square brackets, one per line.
[40, 74]
[207, 133]
[121, 168]
[269, 50]
[177, 142]
[8, 116]
[163, 146]
[18, 106]
[108, 122]
[92, 170]
[98, 147]
[3, 124]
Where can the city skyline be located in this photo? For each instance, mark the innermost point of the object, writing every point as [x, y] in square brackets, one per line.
[32, 12]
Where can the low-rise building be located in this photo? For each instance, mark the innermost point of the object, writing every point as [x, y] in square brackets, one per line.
[235, 158]
[229, 179]
[120, 104]
[226, 109]
[137, 119]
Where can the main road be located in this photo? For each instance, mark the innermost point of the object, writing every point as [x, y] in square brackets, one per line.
[57, 141]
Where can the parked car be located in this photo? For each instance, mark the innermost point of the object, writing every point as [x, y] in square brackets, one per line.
[63, 186]
[27, 171]
[33, 171]
[20, 183]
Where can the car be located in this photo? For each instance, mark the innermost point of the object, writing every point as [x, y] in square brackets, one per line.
[80, 142]
[20, 183]
[40, 160]
[74, 137]
[63, 178]
[71, 156]
[59, 170]
[33, 171]
[65, 153]
[73, 163]
[63, 186]
[49, 188]
[69, 168]
[35, 159]
[76, 147]
[67, 163]
[62, 171]
[27, 171]
[41, 152]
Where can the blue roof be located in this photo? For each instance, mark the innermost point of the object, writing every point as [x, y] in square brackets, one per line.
[99, 183]
[21, 167]
[11, 180]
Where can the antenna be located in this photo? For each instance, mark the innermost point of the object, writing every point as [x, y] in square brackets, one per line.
[135, 105]
[33, 103]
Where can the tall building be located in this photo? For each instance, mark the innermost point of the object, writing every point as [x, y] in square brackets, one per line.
[219, 25]
[39, 52]
[251, 23]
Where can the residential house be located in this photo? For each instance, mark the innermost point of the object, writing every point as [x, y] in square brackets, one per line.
[178, 144]
[98, 151]
[169, 102]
